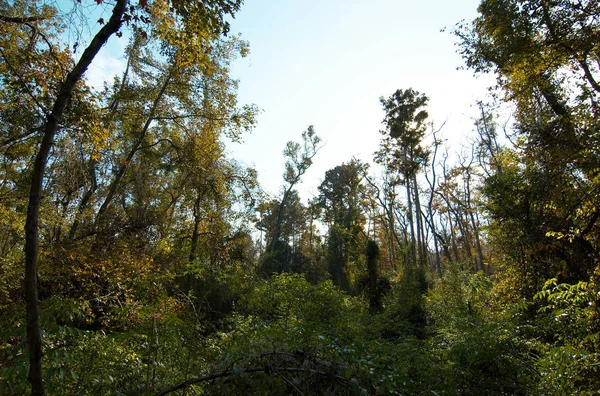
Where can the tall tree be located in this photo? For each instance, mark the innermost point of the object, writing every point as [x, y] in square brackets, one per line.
[339, 197]
[51, 125]
[198, 25]
[299, 159]
[402, 150]
[545, 57]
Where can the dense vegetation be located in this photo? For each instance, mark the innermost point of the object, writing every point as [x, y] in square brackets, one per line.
[136, 257]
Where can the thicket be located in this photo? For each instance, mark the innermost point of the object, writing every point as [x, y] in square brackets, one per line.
[151, 262]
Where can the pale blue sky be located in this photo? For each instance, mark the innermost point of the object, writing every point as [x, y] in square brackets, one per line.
[326, 63]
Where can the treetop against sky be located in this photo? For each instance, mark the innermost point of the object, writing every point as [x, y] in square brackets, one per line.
[327, 64]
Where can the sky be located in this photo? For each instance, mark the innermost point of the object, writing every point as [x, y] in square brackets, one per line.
[327, 63]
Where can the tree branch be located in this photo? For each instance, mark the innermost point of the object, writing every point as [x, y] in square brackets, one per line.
[265, 369]
[21, 20]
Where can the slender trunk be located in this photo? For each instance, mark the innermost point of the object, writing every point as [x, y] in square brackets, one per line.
[406, 243]
[413, 251]
[280, 209]
[435, 234]
[392, 229]
[430, 221]
[445, 247]
[195, 233]
[310, 239]
[464, 231]
[388, 206]
[112, 189]
[92, 165]
[470, 210]
[477, 242]
[453, 238]
[438, 265]
[85, 200]
[34, 336]
[420, 226]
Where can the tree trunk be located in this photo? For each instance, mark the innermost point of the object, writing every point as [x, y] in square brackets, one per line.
[34, 336]
[195, 233]
[453, 238]
[112, 189]
[477, 242]
[280, 209]
[420, 226]
[85, 200]
[92, 165]
[413, 252]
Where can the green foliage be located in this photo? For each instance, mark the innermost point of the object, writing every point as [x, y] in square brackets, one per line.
[160, 350]
[288, 322]
[285, 322]
[543, 194]
[405, 119]
[292, 298]
[404, 312]
[214, 294]
[374, 289]
[570, 362]
[484, 358]
[149, 277]
[480, 352]
[458, 294]
[532, 211]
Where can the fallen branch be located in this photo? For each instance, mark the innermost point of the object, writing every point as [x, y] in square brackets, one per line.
[265, 369]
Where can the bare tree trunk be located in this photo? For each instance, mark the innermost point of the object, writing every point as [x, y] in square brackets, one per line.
[464, 231]
[393, 235]
[413, 252]
[85, 200]
[453, 238]
[470, 210]
[280, 210]
[444, 240]
[387, 204]
[422, 247]
[477, 242]
[432, 186]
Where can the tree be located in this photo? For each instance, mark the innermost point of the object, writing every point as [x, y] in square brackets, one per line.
[432, 181]
[34, 338]
[198, 25]
[299, 159]
[289, 254]
[544, 57]
[373, 288]
[339, 198]
[401, 150]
